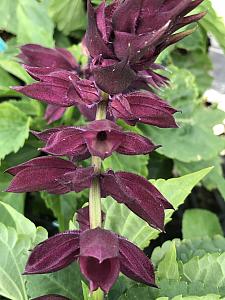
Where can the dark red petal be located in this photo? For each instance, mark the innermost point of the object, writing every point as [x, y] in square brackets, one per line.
[135, 144]
[135, 264]
[99, 262]
[67, 141]
[54, 113]
[143, 107]
[93, 39]
[55, 253]
[100, 275]
[77, 180]
[113, 78]
[39, 56]
[38, 174]
[137, 194]
[126, 15]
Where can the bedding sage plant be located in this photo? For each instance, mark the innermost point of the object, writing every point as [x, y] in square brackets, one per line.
[123, 40]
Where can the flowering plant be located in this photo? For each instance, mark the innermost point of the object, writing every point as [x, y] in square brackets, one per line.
[123, 41]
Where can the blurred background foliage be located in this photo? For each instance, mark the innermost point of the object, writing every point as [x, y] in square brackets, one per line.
[190, 265]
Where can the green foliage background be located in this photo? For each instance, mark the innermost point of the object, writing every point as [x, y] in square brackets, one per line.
[192, 268]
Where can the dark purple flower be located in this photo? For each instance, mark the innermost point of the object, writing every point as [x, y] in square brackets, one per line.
[137, 194]
[125, 38]
[53, 174]
[46, 58]
[101, 255]
[98, 138]
[51, 297]
[62, 88]
[144, 107]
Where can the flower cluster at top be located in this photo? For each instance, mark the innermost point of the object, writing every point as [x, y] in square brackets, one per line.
[123, 40]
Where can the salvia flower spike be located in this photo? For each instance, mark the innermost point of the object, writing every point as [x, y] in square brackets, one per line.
[123, 40]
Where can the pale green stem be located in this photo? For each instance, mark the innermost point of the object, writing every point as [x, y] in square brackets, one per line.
[95, 194]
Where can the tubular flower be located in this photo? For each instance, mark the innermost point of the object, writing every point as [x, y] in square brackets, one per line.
[100, 253]
[98, 138]
[125, 38]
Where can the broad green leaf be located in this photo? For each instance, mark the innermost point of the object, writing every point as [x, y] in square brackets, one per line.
[193, 141]
[168, 267]
[213, 180]
[11, 218]
[66, 282]
[69, 15]
[34, 24]
[209, 269]
[28, 106]
[121, 220]
[9, 64]
[186, 249]
[198, 223]
[137, 164]
[14, 129]
[14, 252]
[138, 293]
[8, 20]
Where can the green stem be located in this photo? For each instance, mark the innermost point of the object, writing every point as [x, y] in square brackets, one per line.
[95, 212]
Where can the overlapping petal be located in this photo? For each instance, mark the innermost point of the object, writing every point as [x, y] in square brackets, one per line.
[53, 174]
[130, 34]
[100, 253]
[144, 107]
[62, 88]
[99, 138]
[137, 194]
[55, 253]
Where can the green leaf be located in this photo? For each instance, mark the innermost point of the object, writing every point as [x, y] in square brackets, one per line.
[14, 129]
[34, 24]
[209, 269]
[213, 180]
[9, 64]
[11, 218]
[212, 22]
[66, 282]
[121, 220]
[14, 252]
[137, 293]
[69, 15]
[198, 223]
[168, 267]
[193, 141]
[137, 164]
[8, 20]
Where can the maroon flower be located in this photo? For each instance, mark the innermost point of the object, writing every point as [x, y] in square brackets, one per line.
[125, 38]
[142, 107]
[53, 174]
[137, 194]
[98, 138]
[62, 88]
[83, 218]
[101, 255]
